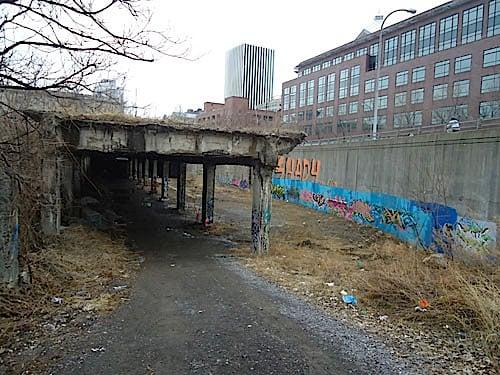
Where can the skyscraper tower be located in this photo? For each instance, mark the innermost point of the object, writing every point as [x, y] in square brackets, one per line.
[250, 74]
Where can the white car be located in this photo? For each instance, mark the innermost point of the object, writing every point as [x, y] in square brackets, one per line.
[453, 126]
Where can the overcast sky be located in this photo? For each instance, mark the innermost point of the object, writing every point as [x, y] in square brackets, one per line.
[296, 30]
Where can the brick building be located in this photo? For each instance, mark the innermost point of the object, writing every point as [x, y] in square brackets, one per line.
[439, 64]
[235, 113]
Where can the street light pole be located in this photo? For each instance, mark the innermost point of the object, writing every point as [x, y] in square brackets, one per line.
[379, 64]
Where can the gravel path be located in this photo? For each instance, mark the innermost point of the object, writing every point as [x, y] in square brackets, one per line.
[194, 310]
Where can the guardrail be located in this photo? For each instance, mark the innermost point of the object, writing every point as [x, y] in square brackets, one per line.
[405, 132]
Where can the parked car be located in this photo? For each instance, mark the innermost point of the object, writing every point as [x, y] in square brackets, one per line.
[453, 125]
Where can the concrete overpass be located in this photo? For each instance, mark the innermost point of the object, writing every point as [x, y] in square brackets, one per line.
[156, 149]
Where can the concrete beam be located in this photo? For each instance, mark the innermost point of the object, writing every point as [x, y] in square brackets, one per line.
[154, 174]
[140, 172]
[208, 194]
[181, 187]
[147, 171]
[261, 208]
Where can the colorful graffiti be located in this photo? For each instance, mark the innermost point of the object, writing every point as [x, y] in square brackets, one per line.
[278, 192]
[430, 225]
[301, 169]
[475, 235]
[238, 182]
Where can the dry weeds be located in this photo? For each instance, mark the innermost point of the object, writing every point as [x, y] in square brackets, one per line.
[79, 267]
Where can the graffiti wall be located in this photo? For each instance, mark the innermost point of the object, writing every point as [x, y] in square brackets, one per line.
[430, 225]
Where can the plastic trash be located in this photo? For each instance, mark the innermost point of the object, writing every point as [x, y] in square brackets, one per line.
[349, 299]
[57, 300]
[424, 304]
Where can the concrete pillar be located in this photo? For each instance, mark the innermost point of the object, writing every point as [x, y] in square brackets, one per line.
[67, 178]
[208, 195]
[136, 169]
[154, 175]
[77, 177]
[9, 232]
[50, 220]
[140, 172]
[130, 169]
[261, 208]
[165, 172]
[181, 187]
[147, 172]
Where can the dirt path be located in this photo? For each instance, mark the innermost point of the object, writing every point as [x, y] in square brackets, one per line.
[196, 311]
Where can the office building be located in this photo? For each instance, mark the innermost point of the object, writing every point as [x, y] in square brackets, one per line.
[439, 64]
[250, 74]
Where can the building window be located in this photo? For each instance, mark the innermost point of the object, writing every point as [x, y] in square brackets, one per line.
[329, 111]
[491, 57]
[461, 88]
[361, 52]
[463, 64]
[286, 98]
[440, 92]
[345, 126]
[442, 69]
[342, 109]
[326, 64]
[353, 107]
[417, 96]
[355, 70]
[406, 119]
[293, 118]
[330, 90]
[493, 18]
[427, 39]
[310, 92]
[293, 96]
[489, 109]
[472, 24]
[382, 102]
[338, 60]
[302, 94]
[286, 119]
[448, 31]
[344, 83]
[320, 112]
[369, 86]
[372, 61]
[400, 99]
[444, 114]
[368, 104]
[383, 83]
[418, 74]
[391, 51]
[402, 78]
[490, 83]
[408, 40]
[321, 89]
[349, 56]
[306, 71]
[301, 116]
[309, 114]
[316, 68]
[368, 122]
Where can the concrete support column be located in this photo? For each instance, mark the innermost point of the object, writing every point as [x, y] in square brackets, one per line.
[67, 180]
[208, 194]
[130, 169]
[154, 175]
[165, 172]
[77, 177]
[147, 172]
[50, 220]
[136, 169]
[181, 187]
[140, 171]
[261, 208]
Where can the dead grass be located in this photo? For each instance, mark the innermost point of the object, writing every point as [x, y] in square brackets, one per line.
[79, 267]
[390, 279]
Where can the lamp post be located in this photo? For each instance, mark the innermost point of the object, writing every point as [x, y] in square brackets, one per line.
[379, 64]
